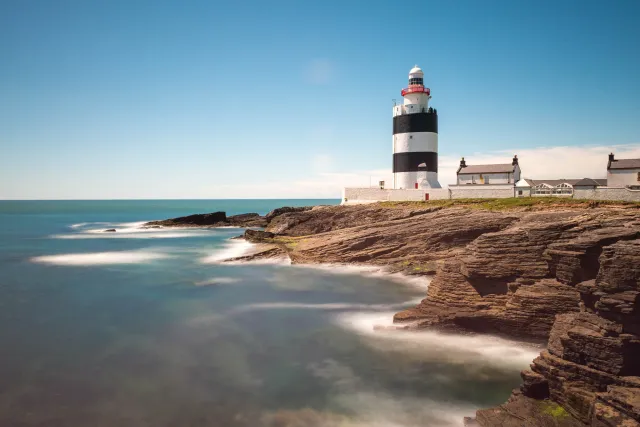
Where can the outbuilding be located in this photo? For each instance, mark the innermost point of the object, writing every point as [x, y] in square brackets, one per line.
[623, 173]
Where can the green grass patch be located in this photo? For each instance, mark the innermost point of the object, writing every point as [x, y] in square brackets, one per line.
[553, 409]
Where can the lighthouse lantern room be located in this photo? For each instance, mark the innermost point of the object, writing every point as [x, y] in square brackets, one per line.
[415, 137]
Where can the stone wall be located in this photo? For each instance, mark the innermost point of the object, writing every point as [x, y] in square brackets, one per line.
[486, 191]
[608, 193]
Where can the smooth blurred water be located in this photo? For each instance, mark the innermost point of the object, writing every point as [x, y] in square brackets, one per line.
[144, 328]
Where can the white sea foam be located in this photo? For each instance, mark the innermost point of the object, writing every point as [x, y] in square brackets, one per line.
[231, 249]
[375, 409]
[436, 345]
[128, 230]
[100, 258]
[218, 281]
[417, 282]
[147, 234]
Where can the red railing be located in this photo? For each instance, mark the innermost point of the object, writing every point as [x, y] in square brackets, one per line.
[416, 89]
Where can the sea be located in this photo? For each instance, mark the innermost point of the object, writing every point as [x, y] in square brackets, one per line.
[148, 327]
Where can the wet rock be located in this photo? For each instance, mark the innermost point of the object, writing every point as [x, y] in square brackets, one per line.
[214, 219]
[199, 220]
[257, 235]
[247, 220]
[110, 230]
[286, 209]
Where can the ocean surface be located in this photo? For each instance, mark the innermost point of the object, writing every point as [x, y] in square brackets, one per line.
[147, 328]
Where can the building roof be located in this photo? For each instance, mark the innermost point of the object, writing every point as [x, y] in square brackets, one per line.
[624, 164]
[590, 182]
[584, 182]
[503, 168]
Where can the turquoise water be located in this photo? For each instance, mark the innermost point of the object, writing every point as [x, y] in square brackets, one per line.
[147, 328]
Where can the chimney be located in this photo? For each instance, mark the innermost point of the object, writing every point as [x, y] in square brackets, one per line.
[611, 160]
[515, 160]
[463, 164]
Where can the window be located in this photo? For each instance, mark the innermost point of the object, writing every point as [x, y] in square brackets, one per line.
[519, 192]
[416, 81]
[542, 189]
[563, 188]
[638, 176]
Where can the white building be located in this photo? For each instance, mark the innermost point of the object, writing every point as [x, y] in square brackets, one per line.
[415, 137]
[556, 187]
[507, 173]
[623, 173]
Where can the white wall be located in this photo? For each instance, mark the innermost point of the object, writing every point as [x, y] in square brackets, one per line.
[622, 177]
[408, 180]
[608, 193]
[489, 178]
[412, 142]
[418, 99]
[368, 195]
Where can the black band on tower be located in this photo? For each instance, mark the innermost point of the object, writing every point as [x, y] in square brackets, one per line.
[409, 162]
[416, 122]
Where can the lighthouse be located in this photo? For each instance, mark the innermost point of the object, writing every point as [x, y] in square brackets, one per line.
[415, 137]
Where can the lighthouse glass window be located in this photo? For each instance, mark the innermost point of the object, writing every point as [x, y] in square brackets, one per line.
[415, 81]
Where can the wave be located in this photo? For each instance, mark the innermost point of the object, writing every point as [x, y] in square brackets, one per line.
[100, 258]
[418, 282]
[150, 234]
[450, 347]
[231, 249]
[374, 409]
[128, 230]
[331, 306]
[218, 281]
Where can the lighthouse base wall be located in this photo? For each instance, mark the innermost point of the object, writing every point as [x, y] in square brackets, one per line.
[409, 180]
[372, 195]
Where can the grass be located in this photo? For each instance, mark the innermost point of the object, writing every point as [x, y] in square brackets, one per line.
[553, 409]
[514, 203]
[289, 243]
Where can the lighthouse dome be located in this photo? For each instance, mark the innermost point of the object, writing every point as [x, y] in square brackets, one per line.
[416, 71]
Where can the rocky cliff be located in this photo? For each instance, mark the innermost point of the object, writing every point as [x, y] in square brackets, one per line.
[566, 272]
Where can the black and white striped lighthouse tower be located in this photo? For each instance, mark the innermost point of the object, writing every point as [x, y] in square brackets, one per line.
[415, 137]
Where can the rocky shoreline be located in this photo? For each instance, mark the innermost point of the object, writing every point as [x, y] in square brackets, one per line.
[556, 270]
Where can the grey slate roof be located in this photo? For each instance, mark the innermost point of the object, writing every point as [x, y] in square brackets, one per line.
[625, 164]
[503, 168]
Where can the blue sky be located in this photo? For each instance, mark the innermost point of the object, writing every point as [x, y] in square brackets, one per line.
[208, 99]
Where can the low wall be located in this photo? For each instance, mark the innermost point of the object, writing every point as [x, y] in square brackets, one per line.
[370, 195]
[608, 193]
[486, 191]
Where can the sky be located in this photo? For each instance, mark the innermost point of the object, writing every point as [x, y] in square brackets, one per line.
[112, 99]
